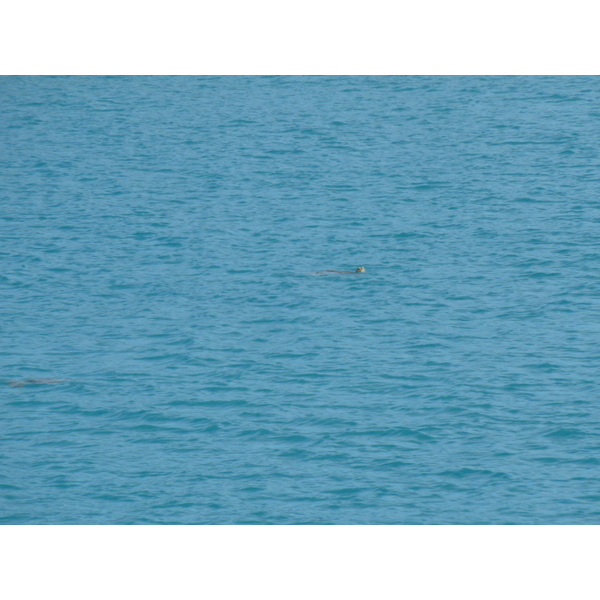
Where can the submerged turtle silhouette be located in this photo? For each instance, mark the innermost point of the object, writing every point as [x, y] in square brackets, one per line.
[33, 381]
[359, 270]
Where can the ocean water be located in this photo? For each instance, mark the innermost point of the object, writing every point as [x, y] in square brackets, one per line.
[167, 354]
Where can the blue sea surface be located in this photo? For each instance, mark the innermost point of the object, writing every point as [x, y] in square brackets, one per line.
[167, 354]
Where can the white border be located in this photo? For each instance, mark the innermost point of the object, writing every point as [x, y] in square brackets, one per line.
[309, 37]
[299, 562]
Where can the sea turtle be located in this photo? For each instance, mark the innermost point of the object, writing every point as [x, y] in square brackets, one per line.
[33, 381]
[359, 270]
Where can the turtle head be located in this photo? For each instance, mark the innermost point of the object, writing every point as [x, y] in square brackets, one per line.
[360, 270]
